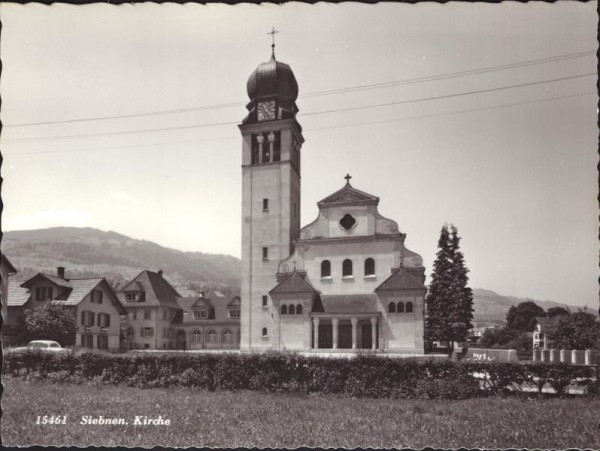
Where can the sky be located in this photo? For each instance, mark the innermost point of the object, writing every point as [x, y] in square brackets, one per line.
[124, 118]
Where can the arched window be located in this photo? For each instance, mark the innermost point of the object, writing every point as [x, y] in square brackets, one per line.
[264, 332]
[292, 310]
[196, 337]
[211, 336]
[325, 268]
[369, 267]
[299, 309]
[392, 307]
[347, 268]
[227, 336]
[400, 307]
[284, 310]
[409, 307]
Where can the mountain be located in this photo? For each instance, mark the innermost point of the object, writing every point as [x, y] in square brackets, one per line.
[88, 252]
[490, 307]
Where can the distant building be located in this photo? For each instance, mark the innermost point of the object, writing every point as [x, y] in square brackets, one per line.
[6, 270]
[160, 318]
[93, 301]
[540, 332]
[208, 323]
[477, 332]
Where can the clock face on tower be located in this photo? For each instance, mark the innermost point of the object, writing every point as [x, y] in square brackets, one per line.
[266, 110]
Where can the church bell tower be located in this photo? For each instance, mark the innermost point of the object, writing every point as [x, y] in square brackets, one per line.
[271, 143]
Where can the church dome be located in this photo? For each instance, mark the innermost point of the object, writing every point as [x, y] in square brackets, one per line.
[272, 78]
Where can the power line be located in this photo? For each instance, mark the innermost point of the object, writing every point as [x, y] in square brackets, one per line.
[184, 127]
[456, 74]
[449, 95]
[328, 92]
[356, 124]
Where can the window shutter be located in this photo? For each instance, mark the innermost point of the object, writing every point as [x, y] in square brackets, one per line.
[83, 319]
[92, 316]
[99, 319]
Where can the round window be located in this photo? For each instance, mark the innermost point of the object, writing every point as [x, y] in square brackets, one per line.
[348, 221]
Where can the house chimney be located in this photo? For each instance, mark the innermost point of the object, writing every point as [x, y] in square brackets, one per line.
[160, 272]
[60, 270]
[201, 293]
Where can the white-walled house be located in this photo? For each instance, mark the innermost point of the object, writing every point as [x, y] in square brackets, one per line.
[94, 303]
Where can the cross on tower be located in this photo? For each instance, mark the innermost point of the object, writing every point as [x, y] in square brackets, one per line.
[273, 32]
[348, 177]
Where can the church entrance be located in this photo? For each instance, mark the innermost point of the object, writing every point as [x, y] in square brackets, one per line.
[325, 336]
[345, 336]
[367, 338]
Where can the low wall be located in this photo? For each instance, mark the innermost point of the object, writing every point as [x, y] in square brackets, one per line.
[569, 356]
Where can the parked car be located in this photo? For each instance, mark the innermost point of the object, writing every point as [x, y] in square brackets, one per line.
[43, 346]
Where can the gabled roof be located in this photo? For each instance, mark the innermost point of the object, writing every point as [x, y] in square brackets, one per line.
[133, 285]
[83, 287]
[235, 302]
[17, 295]
[157, 291]
[401, 280]
[11, 269]
[349, 195]
[350, 303]
[294, 283]
[51, 278]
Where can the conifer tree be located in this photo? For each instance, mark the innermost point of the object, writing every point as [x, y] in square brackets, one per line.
[449, 299]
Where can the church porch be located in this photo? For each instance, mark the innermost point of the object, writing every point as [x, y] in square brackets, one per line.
[339, 332]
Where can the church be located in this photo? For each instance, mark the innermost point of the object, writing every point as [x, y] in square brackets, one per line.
[344, 282]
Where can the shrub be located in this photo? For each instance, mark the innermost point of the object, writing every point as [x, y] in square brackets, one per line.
[364, 375]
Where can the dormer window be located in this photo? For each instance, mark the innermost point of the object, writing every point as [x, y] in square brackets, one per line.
[131, 297]
[201, 314]
[234, 314]
[43, 293]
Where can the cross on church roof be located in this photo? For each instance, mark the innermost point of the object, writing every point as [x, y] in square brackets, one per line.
[348, 177]
[273, 32]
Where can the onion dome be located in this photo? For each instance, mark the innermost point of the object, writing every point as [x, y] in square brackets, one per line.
[272, 78]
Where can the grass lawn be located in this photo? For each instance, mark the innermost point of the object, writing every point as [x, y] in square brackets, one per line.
[248, 419]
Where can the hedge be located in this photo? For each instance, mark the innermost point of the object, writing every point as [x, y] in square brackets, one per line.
[364, 375]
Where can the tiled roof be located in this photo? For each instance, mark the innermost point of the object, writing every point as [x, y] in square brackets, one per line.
[350, 303]
[186, 304]
[294, 283]
[157, 291]
[83, 287]
[11, 268]
[220, 302]
[235, 302]
[162, 289]
[348, 194]
[401, 280]
[134, 285]
[54, 279]
[17, 295]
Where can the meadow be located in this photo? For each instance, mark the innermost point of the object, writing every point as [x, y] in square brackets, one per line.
[287, 420]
